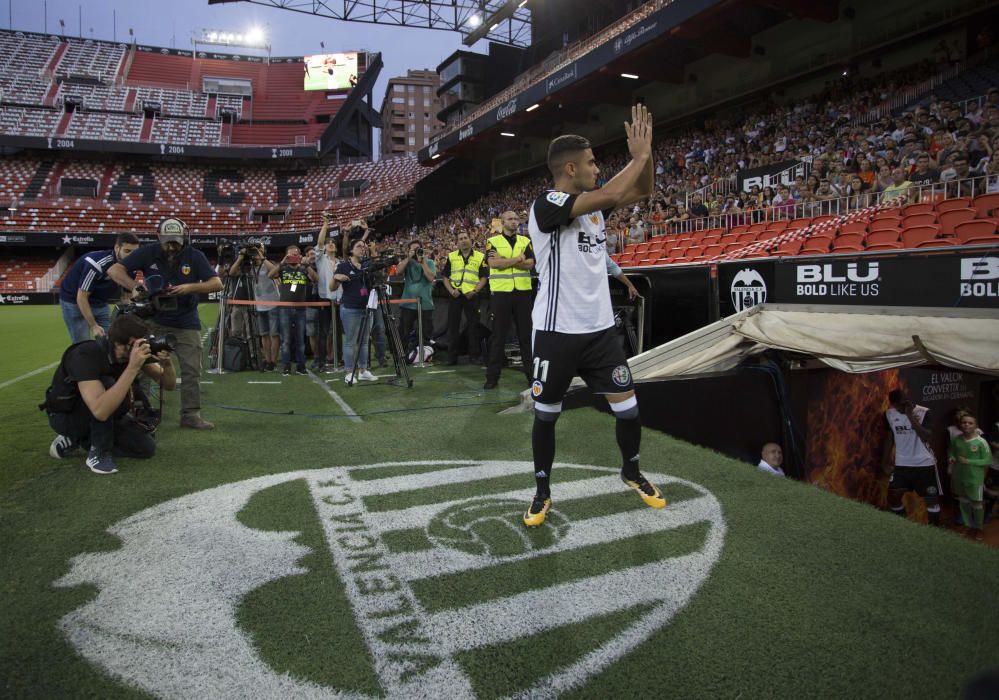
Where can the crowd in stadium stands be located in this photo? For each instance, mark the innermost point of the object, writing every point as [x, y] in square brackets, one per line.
[939, 147]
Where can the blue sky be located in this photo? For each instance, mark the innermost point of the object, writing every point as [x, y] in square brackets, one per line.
[172, 23]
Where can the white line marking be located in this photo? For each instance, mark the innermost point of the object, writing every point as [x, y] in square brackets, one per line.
[336, 397]
[441, 371]
[252, 382]
[204, 382]
[32, 373]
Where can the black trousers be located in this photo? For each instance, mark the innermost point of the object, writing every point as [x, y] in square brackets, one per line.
[507, 308]
[469, 308]
[407, 324]
[121, 436]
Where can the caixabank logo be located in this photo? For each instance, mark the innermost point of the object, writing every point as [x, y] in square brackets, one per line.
[436, 585]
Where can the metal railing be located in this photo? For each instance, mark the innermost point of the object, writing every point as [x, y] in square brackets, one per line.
[838, 206]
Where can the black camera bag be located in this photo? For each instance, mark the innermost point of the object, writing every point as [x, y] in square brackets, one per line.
[236, 355]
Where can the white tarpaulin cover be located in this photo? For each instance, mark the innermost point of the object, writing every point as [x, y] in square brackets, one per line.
[850, 340]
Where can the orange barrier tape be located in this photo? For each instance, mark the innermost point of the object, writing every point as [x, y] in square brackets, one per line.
[302, 304]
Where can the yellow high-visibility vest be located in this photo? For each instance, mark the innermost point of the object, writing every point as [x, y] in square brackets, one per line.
[510, 278]
[465, 275]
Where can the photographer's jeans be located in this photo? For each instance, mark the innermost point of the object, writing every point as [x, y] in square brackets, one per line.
[292, 330]
[79, 329]
[353, 319]
[119, 436]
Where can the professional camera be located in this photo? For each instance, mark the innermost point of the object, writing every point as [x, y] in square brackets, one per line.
[419, 252]
[159, 343]
[149, 303]
[381, 262]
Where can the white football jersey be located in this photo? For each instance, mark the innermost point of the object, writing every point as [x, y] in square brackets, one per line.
[910, 450]
[571, 260]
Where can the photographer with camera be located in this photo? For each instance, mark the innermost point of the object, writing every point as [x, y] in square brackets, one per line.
[181, 273]
[252, 266]
[86, 290]
[418, 272]
[351, 275]
[293, 277]
[359, 230]
[89, 403]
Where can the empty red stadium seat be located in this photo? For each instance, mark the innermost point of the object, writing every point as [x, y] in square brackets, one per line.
[915, 235]
[816, 244]
[976, 232]
[950, 219]
[839, 246]
[778, 225]
[985, 204]
[918, 208]
[747, 237]
[790, 247]
[739, 230]
[951, 204]
[768, 234]
[853, 227]
[884, 245]
[936, 243]
[920, 219]
[849, 239]
[884, 225]
[800, 223]
[825, 218]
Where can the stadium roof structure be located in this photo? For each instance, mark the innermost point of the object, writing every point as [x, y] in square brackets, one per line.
[581, 76]
[502, 21]
[846, 338]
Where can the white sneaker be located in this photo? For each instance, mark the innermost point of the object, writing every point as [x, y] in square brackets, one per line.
[349, 379]
[367, 376]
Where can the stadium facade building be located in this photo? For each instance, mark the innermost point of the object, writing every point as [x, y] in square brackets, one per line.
[409, 113]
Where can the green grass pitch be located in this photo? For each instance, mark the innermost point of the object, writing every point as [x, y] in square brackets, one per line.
[294, 551]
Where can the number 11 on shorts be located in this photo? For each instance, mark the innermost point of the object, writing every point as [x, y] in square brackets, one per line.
[541, 365]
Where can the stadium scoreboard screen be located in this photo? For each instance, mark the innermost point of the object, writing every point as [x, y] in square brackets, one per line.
[331, 71]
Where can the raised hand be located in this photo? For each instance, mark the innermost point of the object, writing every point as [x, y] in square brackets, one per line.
[639, 132]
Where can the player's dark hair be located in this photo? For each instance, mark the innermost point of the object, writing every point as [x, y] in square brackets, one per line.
[125, 327]
[563, 150]
[125, 238]
[896, 396]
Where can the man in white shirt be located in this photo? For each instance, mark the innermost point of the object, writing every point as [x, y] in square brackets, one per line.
[772, 459]
[914, 464]
[326, 262]
[573, 320]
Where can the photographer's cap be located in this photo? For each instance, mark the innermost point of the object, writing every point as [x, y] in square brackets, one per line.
[171, 231]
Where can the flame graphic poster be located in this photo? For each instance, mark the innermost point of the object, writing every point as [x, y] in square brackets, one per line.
[847, 430]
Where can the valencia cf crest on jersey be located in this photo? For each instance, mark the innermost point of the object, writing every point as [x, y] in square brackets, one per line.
[185, 269]
[594, 219]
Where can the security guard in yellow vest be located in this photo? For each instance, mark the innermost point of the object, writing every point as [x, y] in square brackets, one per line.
[465, 274]
[510, 258]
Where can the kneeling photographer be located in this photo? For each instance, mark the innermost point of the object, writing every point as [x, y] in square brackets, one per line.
[92, 400]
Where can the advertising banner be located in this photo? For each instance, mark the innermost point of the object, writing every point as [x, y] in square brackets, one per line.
[956, 280]
[771, 175]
